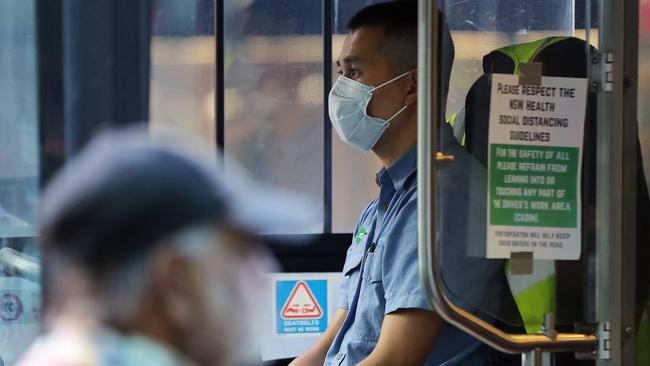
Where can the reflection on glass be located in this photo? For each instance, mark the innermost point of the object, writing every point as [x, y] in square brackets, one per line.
[18, 127]
[478, 27]
[274, 92]
[644, 82]
[481, 26]
[643, 328]
[19, 267]
[183, 68]
[477, 284]
[353, 172]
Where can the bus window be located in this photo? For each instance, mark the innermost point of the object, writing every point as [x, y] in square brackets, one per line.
[353, 186]
[479, 27]
[183, 68]
[274, 105]
[19, 180]
[273, 93]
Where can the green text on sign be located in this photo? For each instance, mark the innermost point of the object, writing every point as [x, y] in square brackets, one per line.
[533, 185]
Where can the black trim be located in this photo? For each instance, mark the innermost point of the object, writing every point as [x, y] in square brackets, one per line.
[327, 126]
[50, 88]
[106, 66]
[50, 104]
[93, 69]
[313, 253]
[219, 104]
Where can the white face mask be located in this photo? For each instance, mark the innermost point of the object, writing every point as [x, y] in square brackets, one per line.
[348, 101]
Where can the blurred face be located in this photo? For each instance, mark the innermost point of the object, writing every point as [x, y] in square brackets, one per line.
[361, 60]
[227, 271]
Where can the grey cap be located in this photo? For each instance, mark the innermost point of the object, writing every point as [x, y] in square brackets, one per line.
[125, 192]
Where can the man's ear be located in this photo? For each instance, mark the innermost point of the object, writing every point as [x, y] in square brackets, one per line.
[175, 282]
[412, 93]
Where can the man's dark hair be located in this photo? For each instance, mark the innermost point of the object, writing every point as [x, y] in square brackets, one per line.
[399, 23]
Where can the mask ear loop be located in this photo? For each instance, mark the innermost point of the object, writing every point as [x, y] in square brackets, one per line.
[390, 81]
[387, 123]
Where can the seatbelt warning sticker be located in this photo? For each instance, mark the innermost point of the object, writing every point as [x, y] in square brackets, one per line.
[20, 316]
[534, 167]
[296, 313]
[301, 307]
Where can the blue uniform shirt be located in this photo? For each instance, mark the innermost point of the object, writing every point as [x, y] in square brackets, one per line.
[381, 268]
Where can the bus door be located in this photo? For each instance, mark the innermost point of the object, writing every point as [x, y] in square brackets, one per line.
[543, 98]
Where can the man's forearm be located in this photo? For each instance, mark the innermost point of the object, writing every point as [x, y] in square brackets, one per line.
[406, 338]
[315, 356]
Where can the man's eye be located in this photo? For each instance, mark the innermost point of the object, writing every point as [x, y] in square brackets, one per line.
[352, 73]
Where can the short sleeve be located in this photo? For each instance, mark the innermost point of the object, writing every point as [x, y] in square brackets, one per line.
[343, 301]
[400, 274]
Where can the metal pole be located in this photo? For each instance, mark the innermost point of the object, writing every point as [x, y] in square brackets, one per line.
[327, 125]
[617, 159]
[536, 358]
[219, 103]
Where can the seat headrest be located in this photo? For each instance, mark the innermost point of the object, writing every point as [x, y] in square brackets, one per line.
[564, 58]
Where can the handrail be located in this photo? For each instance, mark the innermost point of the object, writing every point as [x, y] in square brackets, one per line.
[427, 247]
[13, 260]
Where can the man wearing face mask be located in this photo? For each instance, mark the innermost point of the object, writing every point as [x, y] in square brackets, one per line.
[383, 316]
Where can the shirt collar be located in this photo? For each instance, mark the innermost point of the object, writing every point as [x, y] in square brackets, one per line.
[401, 170]
[398, 173]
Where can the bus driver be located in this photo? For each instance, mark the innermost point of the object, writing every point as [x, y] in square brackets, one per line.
[383, 315]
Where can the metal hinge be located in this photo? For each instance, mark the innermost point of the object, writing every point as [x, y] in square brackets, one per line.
[602, 349]
[604, 343]
[601, 74]
[608, 66]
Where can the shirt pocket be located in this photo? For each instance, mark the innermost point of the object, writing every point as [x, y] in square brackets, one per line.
[372, 271]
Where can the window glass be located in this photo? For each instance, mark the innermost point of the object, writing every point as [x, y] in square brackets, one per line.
[353, 172]
[274, 92]
[643, 328]
[644, 82]
[477, 28]
[480, 26]
[183, 68]
[19, 176]
[467, 222]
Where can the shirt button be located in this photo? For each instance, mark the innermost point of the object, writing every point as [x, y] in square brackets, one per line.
[339, 356]
[385, 206]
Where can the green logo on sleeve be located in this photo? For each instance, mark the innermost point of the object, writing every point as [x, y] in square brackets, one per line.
[360, 234]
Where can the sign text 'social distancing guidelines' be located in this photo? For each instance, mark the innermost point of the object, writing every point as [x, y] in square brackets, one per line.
[534, 167]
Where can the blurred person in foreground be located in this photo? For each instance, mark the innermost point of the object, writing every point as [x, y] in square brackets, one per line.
[148, 251]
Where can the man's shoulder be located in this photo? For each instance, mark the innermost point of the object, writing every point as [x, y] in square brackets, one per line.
[369, 210]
